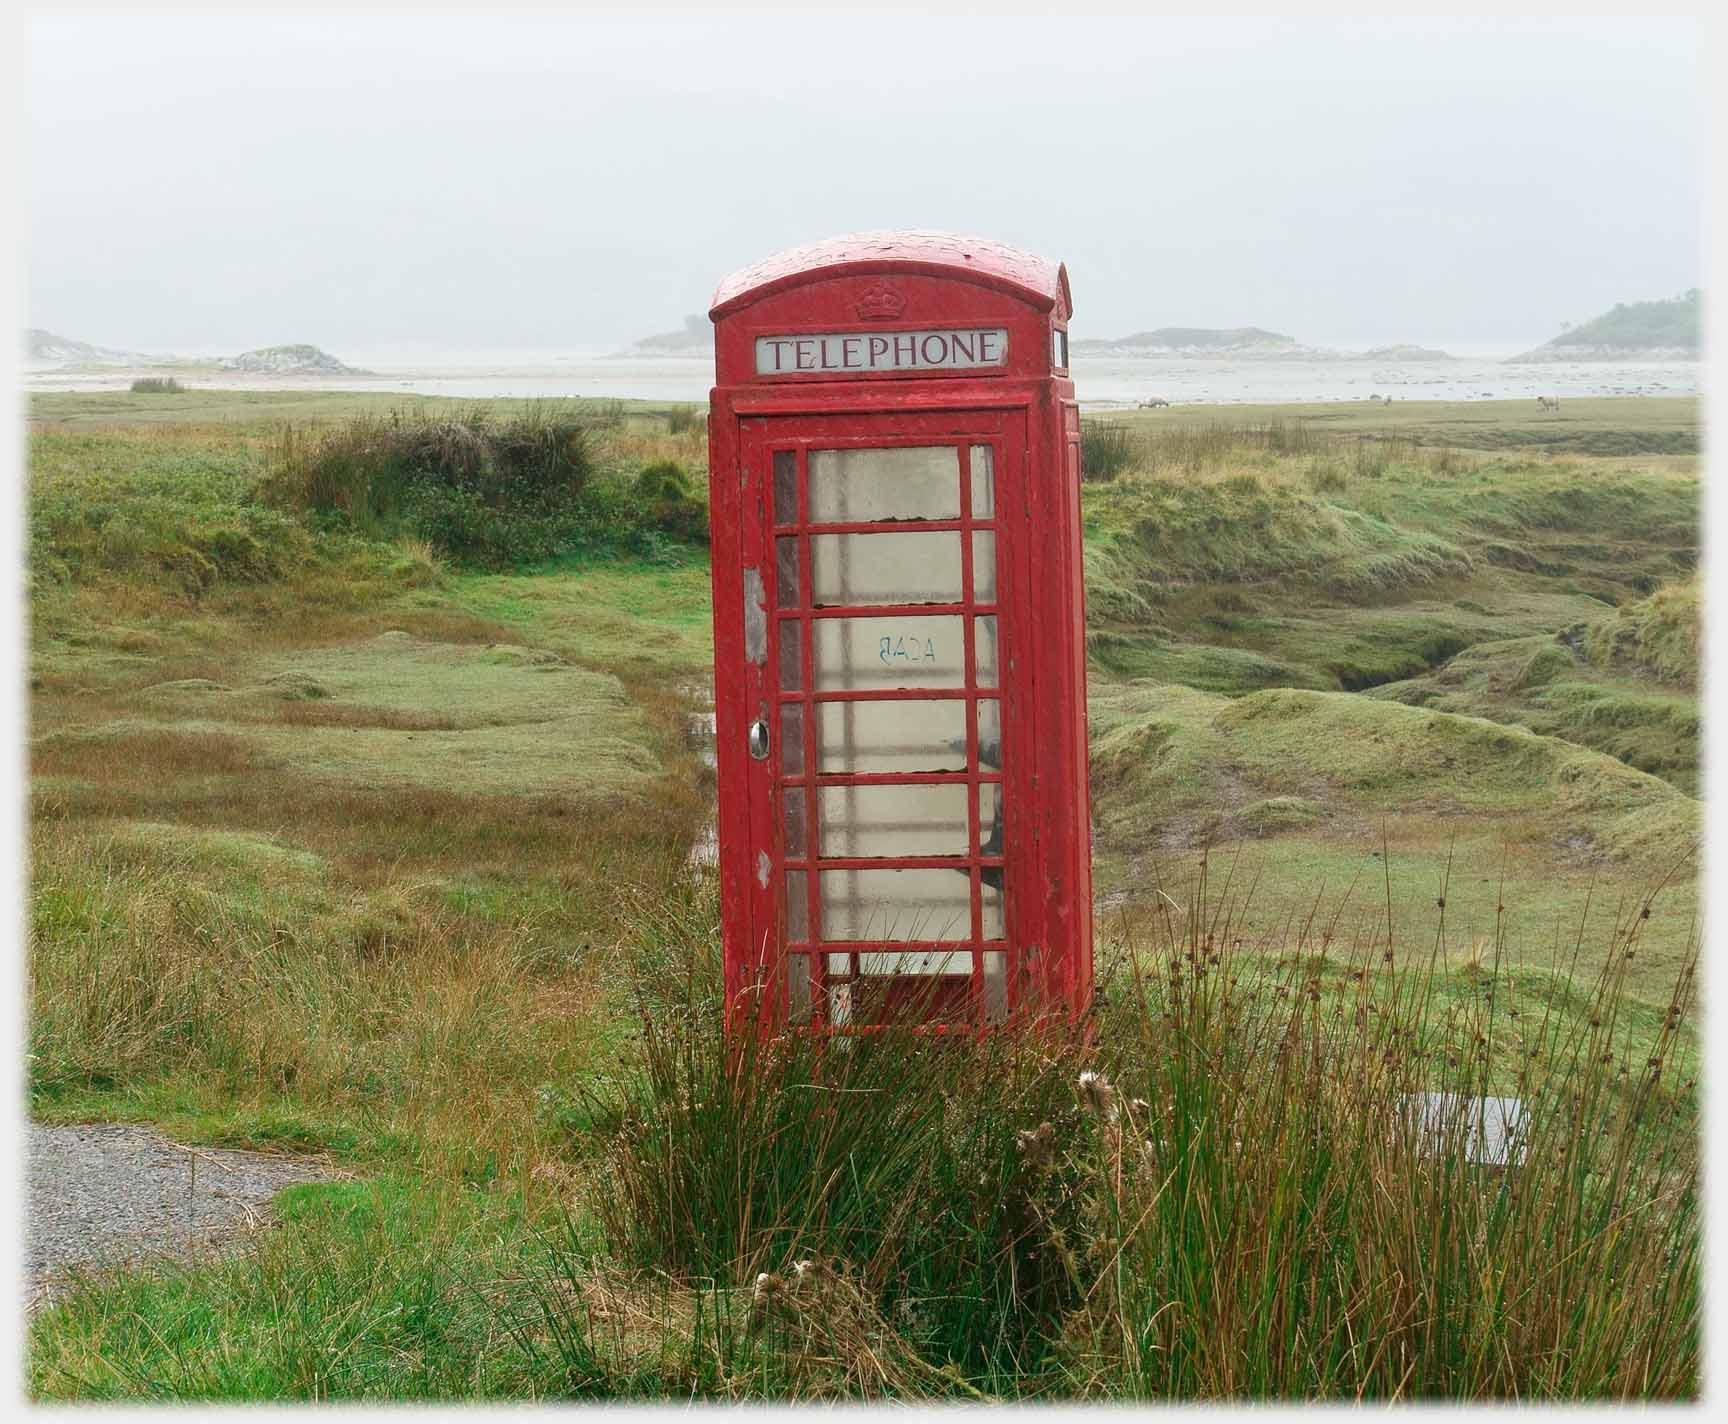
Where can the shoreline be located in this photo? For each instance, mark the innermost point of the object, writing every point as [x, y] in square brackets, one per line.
[1102, 383]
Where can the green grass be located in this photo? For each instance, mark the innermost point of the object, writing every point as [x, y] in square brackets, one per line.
[368, 1291]
[340, 845]
[1228, 1209]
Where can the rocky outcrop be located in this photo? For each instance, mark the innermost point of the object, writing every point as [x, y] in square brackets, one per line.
[288, 360]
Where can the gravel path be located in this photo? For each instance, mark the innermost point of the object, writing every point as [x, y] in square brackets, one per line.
[105, 1194]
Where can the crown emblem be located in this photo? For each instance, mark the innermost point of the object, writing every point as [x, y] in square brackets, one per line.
[881, 303]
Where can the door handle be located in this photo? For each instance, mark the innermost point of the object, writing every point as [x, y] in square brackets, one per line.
[758, 739]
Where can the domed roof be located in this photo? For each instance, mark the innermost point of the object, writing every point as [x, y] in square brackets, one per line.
[942, 254]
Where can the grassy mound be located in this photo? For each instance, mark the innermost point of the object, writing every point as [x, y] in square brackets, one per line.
[1660, 635]
[1543, 684]
[1184, 754]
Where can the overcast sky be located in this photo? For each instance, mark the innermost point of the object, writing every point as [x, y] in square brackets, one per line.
[449, 184]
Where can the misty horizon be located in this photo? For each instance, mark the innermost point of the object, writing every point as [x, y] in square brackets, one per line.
[209, 184]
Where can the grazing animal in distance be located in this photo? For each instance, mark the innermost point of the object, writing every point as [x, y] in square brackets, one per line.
[1154, 403]
[1548, 403]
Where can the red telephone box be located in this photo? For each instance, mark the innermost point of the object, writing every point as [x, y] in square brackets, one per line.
[899, 637]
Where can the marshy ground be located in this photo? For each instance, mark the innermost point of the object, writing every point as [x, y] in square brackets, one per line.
[342, 844]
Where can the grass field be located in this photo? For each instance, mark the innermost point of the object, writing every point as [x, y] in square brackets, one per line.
[343, 845]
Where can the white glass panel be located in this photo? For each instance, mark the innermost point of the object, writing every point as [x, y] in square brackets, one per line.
[893, 905]
[995, 986]
[886, 568]
[893, 820]
[983, 462]
[983, 566]
[907, 650]
[950, 961]
[989, 818]
[854, 737]
[985, 651]
[992, 888]
[855, 486]
[989, 734]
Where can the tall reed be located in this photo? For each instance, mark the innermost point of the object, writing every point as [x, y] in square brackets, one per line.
[1235, 1188]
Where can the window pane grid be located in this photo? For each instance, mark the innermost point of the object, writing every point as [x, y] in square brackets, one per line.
[839, 961]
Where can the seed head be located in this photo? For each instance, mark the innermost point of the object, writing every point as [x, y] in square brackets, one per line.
[766, 1291]
[1095, 1089]
[1038, 1146]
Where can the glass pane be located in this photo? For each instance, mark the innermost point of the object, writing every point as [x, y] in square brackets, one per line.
[856, 737]
[792, 739]
[993, 920]
[899, 651]
[983, 566]
[791, 654]
[787, 590]
[893, 820]
[798, 988]
[918, 482]
[940, 961]
[839, 965]
[984, 647]
[797, 884]
[794, 826]
[989, 734]
[929, 904]
[995, 986]
[785, 486]
[983, 462]
[989, 818]
[885, 568]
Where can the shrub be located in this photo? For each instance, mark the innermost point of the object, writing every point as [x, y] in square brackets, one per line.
[476, 487]
[683, 418]
[669, 503]
[157, 386]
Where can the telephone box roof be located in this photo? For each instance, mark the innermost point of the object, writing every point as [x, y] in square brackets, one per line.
[944, 254]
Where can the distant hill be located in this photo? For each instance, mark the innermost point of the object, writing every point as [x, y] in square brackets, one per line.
[1193, 341]
[44, 348]
[696, 339]
[287, 360]
[1670, 329]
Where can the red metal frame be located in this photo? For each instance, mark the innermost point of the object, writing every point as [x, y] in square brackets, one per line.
[1024, 411]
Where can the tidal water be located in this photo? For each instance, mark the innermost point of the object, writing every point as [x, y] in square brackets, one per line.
[1102, 382]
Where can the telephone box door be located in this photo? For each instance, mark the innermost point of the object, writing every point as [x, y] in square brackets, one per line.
[889, 733]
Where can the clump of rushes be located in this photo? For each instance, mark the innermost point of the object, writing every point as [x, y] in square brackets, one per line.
[479, 487]
[1106, 450]
[157, 386]
[1223, 1194]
